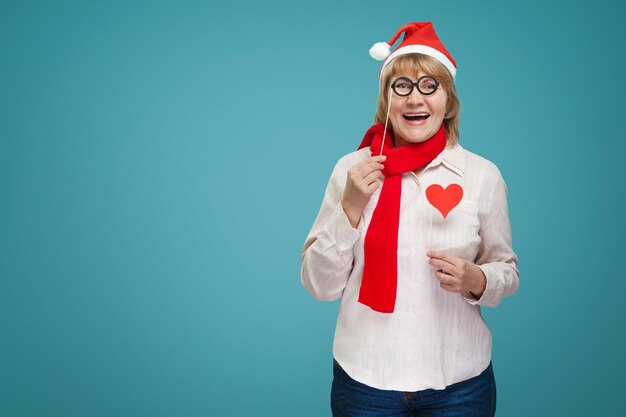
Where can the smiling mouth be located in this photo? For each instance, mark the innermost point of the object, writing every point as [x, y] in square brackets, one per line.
[416, 117]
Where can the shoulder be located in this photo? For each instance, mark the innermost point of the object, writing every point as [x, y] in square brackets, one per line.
[478, 165]
[351, 159]
[485, 179]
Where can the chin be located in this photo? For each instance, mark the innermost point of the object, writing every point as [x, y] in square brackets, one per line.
[418, 137]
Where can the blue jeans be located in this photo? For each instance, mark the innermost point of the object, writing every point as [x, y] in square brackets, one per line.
[475, 397]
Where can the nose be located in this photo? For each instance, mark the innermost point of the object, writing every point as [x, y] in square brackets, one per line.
[415, 97]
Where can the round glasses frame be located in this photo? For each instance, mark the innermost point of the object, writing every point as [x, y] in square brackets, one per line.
[416, 85]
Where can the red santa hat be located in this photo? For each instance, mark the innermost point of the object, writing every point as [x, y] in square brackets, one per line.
[419, 37]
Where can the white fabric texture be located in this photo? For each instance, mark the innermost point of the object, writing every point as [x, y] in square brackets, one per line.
[434, 338]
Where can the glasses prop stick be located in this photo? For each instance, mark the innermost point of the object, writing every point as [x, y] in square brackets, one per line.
[386, 121]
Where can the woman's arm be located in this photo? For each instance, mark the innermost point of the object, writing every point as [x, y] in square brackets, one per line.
[327, 255]
[495, 255]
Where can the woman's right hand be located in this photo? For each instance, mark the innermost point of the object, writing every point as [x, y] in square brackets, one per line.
[362, 180]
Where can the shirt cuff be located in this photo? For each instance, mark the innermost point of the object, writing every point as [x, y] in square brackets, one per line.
[340, 229]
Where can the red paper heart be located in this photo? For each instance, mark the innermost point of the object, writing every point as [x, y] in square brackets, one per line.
[444, 199]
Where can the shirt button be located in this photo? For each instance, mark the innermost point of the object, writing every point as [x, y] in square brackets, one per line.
[413, 310]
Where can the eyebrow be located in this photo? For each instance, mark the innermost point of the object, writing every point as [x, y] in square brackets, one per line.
[393, 77]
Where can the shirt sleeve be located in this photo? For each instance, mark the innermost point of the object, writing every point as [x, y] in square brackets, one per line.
[327, 255]
[495, 255]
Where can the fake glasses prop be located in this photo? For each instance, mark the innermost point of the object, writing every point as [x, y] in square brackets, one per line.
[426, 85]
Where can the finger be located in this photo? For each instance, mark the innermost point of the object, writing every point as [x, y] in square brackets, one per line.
[374, 186]
[366, 167]
[442, 266]
[445, 278]
[377, 159]
[449, 287]
[440, 276]
[436, 263]
[448, 259]
[373, 176]
[443, 275]
[453, 260]
[434, 255]
[373, 166]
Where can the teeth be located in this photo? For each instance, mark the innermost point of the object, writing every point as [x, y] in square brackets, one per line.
[416, 114]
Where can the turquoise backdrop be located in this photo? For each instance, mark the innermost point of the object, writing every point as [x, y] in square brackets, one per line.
[161, 164]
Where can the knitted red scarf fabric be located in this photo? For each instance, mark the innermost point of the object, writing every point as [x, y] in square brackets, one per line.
[380, 273]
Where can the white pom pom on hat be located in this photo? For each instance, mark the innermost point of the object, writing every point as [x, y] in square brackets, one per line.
[419, 37]
[380, 51]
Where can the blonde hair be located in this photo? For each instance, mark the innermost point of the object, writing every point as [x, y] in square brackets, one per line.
[411, 64]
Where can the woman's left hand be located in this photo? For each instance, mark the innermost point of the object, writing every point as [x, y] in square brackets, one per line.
[458, 275]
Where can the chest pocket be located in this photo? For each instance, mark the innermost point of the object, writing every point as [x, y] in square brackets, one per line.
[457, 234]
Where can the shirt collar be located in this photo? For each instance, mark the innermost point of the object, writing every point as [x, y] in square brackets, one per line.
[451, 157]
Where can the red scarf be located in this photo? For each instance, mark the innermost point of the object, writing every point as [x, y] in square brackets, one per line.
[380, 272]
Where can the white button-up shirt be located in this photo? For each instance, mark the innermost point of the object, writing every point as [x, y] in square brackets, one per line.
[434, 338]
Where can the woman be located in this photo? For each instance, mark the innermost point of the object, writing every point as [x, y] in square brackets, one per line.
[414, 236]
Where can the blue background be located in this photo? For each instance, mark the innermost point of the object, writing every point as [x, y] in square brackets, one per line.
[161, 164]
